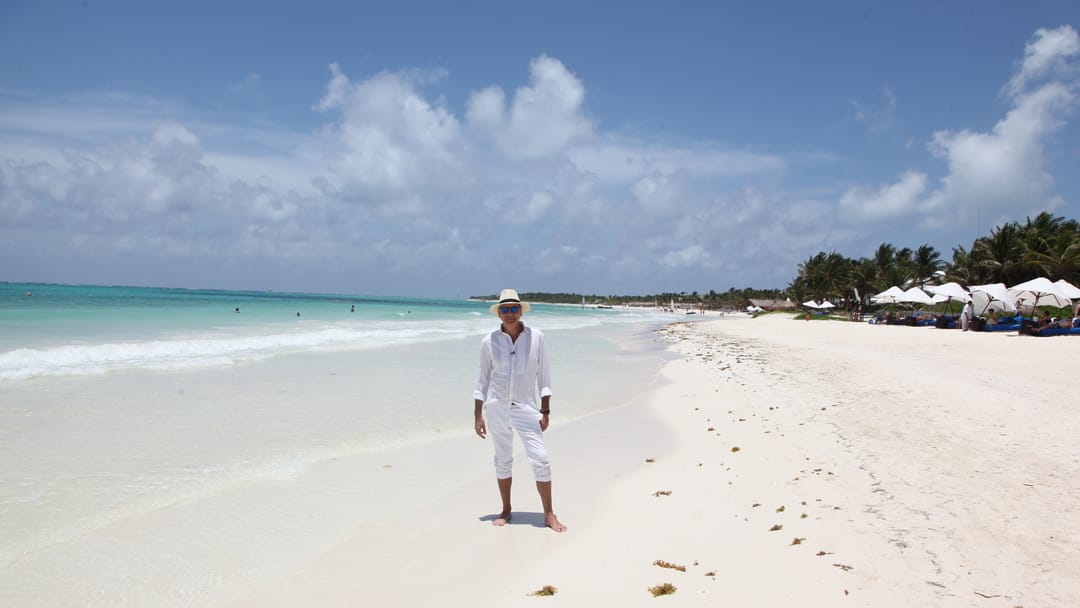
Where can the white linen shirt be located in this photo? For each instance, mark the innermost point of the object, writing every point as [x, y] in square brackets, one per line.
[513, 371]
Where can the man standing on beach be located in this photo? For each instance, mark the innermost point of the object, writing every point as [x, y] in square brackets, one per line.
[513, 367]
[966, 314]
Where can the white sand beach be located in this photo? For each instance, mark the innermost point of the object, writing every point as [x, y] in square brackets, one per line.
[808, 463]
[778, 462]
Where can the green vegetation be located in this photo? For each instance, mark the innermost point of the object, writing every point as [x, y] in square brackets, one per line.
[1046, 245]
[731, 299]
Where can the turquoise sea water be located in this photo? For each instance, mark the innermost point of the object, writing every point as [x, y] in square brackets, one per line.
[124, 405]
[50, 330]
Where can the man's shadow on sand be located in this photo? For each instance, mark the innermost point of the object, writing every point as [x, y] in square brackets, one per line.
[517, 518]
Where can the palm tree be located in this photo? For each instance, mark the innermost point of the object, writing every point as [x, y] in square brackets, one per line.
[1001, 254]
[904, 260]
[926, 262]
[863, 278]
[884, 255]
[1043, 227]
[965, 269]
[897, 274]
[1058, 257]
[809, 271]
[824, 275]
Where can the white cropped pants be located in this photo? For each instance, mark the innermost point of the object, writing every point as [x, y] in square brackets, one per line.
[505, 418]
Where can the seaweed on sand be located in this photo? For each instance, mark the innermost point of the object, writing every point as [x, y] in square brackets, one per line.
[664, 564]
[545, 590]
[663, 589]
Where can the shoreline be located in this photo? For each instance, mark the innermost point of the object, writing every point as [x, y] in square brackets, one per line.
[193, 486]
[779, 462]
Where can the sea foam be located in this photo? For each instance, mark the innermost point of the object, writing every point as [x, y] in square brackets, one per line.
[227, 346]
[187, 352]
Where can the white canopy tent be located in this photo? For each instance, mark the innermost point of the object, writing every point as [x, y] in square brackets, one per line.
[811, 304]
[825, 304]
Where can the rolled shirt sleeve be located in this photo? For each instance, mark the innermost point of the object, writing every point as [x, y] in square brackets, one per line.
[484, 379]
[543, 371]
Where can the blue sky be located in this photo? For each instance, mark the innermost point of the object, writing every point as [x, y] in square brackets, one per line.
[450, 149]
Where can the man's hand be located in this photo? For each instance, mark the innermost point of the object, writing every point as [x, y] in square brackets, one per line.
[481, 429]
[544, 422]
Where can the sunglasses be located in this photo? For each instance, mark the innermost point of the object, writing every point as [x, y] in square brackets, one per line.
[508, 309]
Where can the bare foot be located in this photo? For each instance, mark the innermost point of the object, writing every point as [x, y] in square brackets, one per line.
[502, 519]
[554, 523]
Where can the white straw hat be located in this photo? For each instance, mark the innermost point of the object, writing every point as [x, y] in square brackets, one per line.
[509, 296]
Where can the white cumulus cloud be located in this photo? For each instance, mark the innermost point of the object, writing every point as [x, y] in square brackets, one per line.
[388, 141]
[1047, 54]
[1002, 169]
[885, 202]
[543, 118]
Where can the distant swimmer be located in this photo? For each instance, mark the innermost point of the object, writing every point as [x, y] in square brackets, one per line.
[298, 313]
[237, 309]
[352, 308]
[29, 293]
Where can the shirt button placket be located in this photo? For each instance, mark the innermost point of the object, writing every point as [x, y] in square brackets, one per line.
[513, 365]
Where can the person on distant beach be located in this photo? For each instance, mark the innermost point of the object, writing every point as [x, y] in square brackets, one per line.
[513, 367]
[1044, 320]
[992, 319]
[965, 315]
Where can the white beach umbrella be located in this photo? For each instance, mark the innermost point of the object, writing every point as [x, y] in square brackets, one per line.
[811, 304]
[826, 304]
[1067, 289]
[915, 295]
[938, 298]
[1040, 291]
[992, 296]
[888, 296]
[951, 290]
